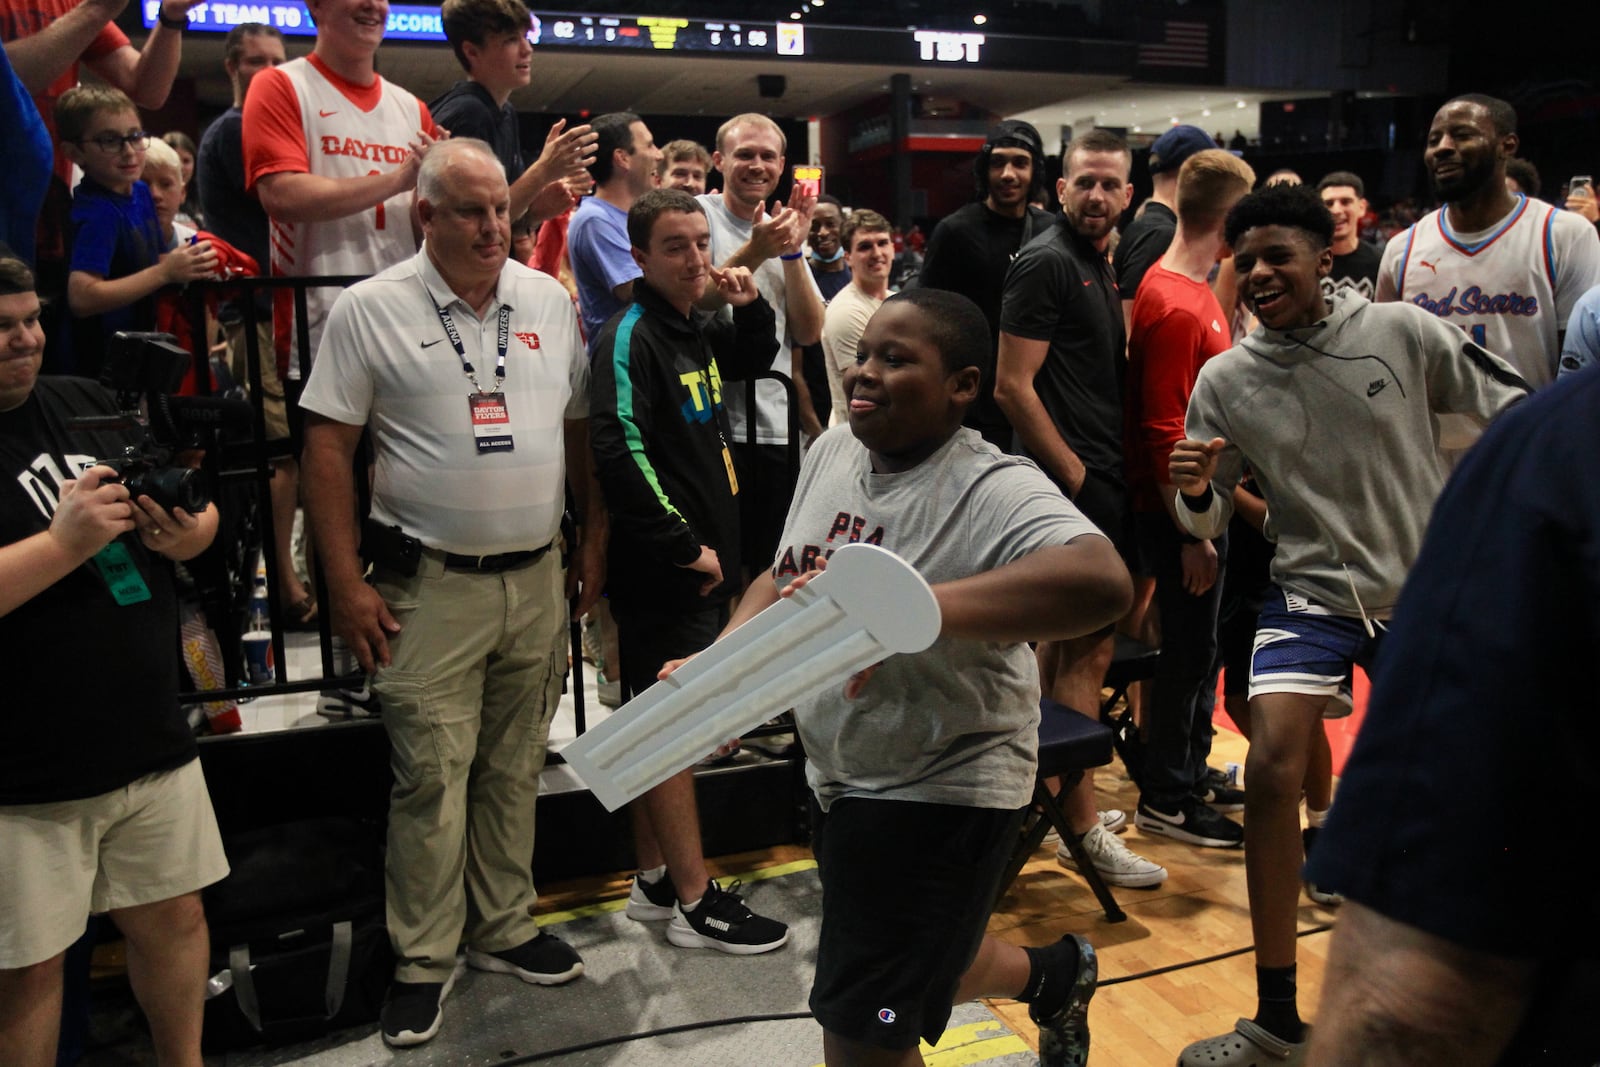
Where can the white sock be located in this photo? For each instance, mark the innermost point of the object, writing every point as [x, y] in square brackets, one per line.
[1316, 818]
[653, 875]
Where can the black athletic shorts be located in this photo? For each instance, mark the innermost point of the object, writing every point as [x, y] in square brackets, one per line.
[1104, 502]
[647, 639]
[907, 889]
[766, 487]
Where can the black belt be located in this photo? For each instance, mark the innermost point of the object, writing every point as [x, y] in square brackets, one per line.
[502, 561]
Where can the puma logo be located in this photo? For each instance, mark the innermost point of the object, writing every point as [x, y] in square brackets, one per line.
[1376, 387]
[1430, 266]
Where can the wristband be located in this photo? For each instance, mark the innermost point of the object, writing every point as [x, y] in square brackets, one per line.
[791, 255]
[1198, 504]
[180, 23]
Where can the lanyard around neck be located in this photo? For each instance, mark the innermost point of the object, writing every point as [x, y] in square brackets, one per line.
[502, 341]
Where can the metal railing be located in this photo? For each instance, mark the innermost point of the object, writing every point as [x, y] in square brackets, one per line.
[257, 472]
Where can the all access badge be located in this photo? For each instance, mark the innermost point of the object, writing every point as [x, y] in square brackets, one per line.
[491, 422]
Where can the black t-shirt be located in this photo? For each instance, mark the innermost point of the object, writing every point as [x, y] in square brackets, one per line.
[969, 253]
[1357, 270]
[1060, 290]
[91, 688]
[1143, 244]
[812, 358]
[467, 110]
[231, 213]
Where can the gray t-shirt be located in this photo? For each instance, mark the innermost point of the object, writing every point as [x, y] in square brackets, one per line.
[958, 722]
[728, 234]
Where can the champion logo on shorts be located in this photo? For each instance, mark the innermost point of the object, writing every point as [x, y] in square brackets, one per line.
[886, 1015]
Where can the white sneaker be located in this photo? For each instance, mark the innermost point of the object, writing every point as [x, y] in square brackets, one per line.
[1116, 864]
[1115, 821]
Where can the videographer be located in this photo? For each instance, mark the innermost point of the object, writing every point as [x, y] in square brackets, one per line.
[103, 807]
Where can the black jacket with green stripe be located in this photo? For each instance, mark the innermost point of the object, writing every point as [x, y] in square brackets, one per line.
[660, 436]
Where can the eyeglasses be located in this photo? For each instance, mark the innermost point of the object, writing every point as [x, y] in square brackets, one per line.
[111, 142]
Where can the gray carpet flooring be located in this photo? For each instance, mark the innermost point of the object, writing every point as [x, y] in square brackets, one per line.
[634, 982]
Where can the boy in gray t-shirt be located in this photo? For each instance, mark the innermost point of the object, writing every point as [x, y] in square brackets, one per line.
[936, 751]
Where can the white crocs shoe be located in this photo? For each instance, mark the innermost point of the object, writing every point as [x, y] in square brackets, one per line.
[1246, 1045]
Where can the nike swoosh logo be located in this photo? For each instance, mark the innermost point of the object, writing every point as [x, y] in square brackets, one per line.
[430, 344]
[1088, 281]
[325, 114]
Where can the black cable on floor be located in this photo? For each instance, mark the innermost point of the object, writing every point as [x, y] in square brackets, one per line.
[622, 1039]
[1321, 928]
[789, 1016]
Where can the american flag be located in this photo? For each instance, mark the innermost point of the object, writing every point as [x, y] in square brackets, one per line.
[1182, 44]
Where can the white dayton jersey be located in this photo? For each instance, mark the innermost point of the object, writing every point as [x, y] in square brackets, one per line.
[303, 118]
[1510, 287]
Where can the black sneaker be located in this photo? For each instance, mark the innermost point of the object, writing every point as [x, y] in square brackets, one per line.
[1064, 1036]
[1217, 778]
[412, 1012]
[1193, 823]
[545, 960]
[651, 900]
[1220, 797]
[721, 921]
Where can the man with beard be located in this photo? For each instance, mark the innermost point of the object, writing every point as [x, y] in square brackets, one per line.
[1060, 383]
[971, 248]
[1355, 263]
[1506, 269]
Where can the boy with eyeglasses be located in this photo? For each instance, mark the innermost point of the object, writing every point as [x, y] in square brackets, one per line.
[116, 261]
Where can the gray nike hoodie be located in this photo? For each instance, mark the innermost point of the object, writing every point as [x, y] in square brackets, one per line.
[1340, 423]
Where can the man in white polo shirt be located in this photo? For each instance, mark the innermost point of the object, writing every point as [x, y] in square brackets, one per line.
[469, 374]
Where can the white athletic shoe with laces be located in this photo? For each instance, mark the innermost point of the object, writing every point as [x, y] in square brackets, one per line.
[1116, 863]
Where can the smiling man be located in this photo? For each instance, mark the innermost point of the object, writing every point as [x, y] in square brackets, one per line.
[461, 625]
[869, 255]
[661, 450]
[1506, 269]
[1334, 404]
[331, 150]
[768, 238]
[1355, 262]
[491, 41]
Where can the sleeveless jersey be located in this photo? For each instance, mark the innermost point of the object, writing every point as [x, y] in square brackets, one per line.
[345, 131]
[1511, 287]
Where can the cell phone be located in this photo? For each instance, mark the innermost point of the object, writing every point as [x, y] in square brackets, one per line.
[809, 176]
[1582, 182]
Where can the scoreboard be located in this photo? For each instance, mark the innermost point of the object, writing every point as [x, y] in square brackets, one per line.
[417, 22]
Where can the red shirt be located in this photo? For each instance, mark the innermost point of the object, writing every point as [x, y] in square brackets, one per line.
[1177, 326]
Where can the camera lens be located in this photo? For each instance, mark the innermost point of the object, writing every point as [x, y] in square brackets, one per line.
[172, 487]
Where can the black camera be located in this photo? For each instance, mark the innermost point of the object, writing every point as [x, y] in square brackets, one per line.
[171, 487]
[142, 369]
